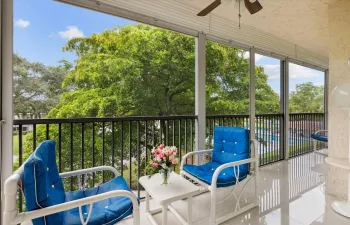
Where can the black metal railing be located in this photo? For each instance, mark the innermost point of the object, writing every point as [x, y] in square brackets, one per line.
[301, 126]
[126, 142]
[268, 132]
[223, 120]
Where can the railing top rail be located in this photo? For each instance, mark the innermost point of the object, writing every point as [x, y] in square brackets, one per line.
[139, 118]
[227, 116]
[241, 115]
[99, 120]
[270, 114]
[306, 114]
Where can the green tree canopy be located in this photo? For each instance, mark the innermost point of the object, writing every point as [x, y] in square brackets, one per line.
[143, 70]
[37, 88]
[307, 98]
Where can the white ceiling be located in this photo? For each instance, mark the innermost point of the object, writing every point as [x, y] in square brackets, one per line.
[297, 29]
[302, 22]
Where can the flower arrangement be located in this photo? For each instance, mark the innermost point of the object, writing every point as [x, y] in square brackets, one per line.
[164, 160]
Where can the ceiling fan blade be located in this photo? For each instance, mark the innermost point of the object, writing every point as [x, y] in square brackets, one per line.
[253, 7]
[210, 8]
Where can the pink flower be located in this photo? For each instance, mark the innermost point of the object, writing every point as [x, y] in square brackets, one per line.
[172, 157]
[155, 164]
[168, 153]
[161, 155]
[174, 161]
[164, 158]
[175, 150]
[161, 146]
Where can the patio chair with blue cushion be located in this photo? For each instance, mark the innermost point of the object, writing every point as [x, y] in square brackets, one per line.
[48, 204]
[320, 136]
[231, 162]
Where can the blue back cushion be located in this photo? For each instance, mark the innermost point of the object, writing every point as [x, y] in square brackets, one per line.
[231, 144]
[42, 184]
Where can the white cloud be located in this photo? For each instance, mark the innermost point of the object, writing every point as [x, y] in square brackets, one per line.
[301, 72]
[257, 56]
[273, 71]
[246, 55]
[295, 72]
[319, 84]
[22, 23]
[71, 32]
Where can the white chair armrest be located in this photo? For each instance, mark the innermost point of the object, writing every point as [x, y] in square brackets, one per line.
[319, 131]
[183, 161]
[231, 164]
[89, 170]
[21, 217]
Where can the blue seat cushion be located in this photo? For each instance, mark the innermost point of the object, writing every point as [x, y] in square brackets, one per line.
[230, 144]
[319, 137]
[106, 212]
[42, 184]
[226, 178]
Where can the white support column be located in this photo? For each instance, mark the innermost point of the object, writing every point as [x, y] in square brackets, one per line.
[338, 119]
[200, 91]
[285, 79]
[6, 55]
[252, 95]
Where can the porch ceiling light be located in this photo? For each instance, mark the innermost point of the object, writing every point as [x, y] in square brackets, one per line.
[341, 98]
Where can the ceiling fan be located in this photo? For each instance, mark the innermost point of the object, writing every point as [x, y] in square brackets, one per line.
[253, 7]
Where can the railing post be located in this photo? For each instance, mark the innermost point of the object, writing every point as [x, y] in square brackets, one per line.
[200, 91]
[285, 106]
[252, 96]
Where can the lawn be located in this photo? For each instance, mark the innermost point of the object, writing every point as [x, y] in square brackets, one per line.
[15, 145]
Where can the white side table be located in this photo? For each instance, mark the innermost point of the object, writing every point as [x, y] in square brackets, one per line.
[178, 188]
[341, 207]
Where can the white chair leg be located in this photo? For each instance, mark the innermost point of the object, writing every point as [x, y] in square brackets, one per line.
[136, 217]
[315, 145]
[213, 206]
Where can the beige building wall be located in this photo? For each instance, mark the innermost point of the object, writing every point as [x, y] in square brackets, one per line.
[339, 72]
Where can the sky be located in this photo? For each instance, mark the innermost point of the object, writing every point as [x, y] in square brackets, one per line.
[43, 27]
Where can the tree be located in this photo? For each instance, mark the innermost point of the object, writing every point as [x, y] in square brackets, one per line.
[143, 70]
[228, 83]
[307, 98]
[37, 88]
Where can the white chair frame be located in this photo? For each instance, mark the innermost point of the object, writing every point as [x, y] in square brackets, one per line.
[315, 142]
[213, 187]
[12, 216]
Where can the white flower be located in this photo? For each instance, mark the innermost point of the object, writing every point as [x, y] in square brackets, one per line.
[164, 166]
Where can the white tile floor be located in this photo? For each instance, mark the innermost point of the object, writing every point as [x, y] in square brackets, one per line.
[291, 193]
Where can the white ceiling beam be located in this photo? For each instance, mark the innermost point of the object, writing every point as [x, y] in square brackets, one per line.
[179, 17]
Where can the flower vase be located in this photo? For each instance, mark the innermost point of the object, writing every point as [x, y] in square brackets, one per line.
[165, 173]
